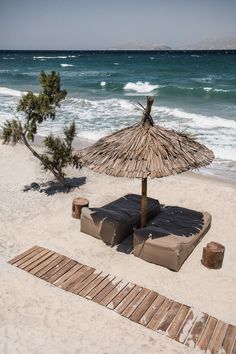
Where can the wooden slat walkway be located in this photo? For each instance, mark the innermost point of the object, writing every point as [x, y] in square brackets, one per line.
[146, 307]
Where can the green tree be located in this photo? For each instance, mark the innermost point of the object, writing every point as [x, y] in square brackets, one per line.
[36, 109]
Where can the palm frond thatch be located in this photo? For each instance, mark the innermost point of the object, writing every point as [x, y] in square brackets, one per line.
[140, 151]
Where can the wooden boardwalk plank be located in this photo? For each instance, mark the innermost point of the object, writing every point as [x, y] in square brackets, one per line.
[73, 277]
[86, 273]
[99, 297]
[196, 330]
[87, 281]
[59, 270]
[142, 308]
[177, 322]
[100, 287]
[135, 303]
[37, 261]
[127, 300]
[233, 351]
[187, 325]
[217, 337]
[110, 296]
[28, 256]
[150, 312]
[93, 284]
[45, 263]
[22, 255]
[160, 314]
[67, 275]
[229, 339]
[141, 305]
[207, 333]
[51, 265]
[31, 260]
[170, 315]
[120, 296]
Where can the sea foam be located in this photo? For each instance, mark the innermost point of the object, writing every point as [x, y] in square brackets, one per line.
[46, 57]
[199, 119]
[5, 91]
[211, 89]
[66, 65]
[140, 87]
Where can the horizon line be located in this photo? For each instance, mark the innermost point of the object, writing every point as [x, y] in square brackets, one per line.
[117, 50]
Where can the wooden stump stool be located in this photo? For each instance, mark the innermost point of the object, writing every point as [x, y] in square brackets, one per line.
[77, 205]
[213, 255]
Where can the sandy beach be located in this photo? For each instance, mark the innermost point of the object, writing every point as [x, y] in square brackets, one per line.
[38, 318]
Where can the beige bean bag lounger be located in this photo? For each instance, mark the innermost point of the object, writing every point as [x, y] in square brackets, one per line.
[115, 221]
[171, 236]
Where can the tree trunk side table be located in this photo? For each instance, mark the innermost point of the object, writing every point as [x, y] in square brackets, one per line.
[213, 255]
[77, 205]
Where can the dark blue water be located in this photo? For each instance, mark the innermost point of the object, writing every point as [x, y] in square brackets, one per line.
[193, 90]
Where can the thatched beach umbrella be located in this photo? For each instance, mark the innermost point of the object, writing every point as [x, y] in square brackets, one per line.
[145, 150]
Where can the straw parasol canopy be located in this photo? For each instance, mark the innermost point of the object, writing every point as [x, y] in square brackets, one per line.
[145, 150]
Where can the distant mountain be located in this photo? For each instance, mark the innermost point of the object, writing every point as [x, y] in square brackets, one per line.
[140, 46]
[208, 44]
[212, 44]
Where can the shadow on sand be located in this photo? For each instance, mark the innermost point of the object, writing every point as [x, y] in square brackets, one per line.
[52, 187]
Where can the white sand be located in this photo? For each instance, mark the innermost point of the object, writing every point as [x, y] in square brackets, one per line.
[37, 318]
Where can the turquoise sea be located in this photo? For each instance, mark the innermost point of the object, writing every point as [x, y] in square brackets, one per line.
[194, 91]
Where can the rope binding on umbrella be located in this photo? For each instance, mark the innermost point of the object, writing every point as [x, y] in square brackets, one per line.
[147, 120]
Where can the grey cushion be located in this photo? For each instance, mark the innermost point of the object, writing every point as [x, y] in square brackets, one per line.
[171, 236]
[116, 220]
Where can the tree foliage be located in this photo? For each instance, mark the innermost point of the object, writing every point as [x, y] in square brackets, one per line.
[12, 131]
[59, 152]
[37, 108]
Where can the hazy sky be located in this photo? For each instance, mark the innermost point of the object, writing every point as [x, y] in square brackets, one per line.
[98, 24]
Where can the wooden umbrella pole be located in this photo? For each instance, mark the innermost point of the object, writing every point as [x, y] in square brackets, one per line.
[144, 203]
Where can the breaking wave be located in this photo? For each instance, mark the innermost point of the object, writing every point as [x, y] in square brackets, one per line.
[66, 65]
[207, 92]
[140, 87]
[97, 118]
[5, 91]
[200, 120]
[46, 57]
